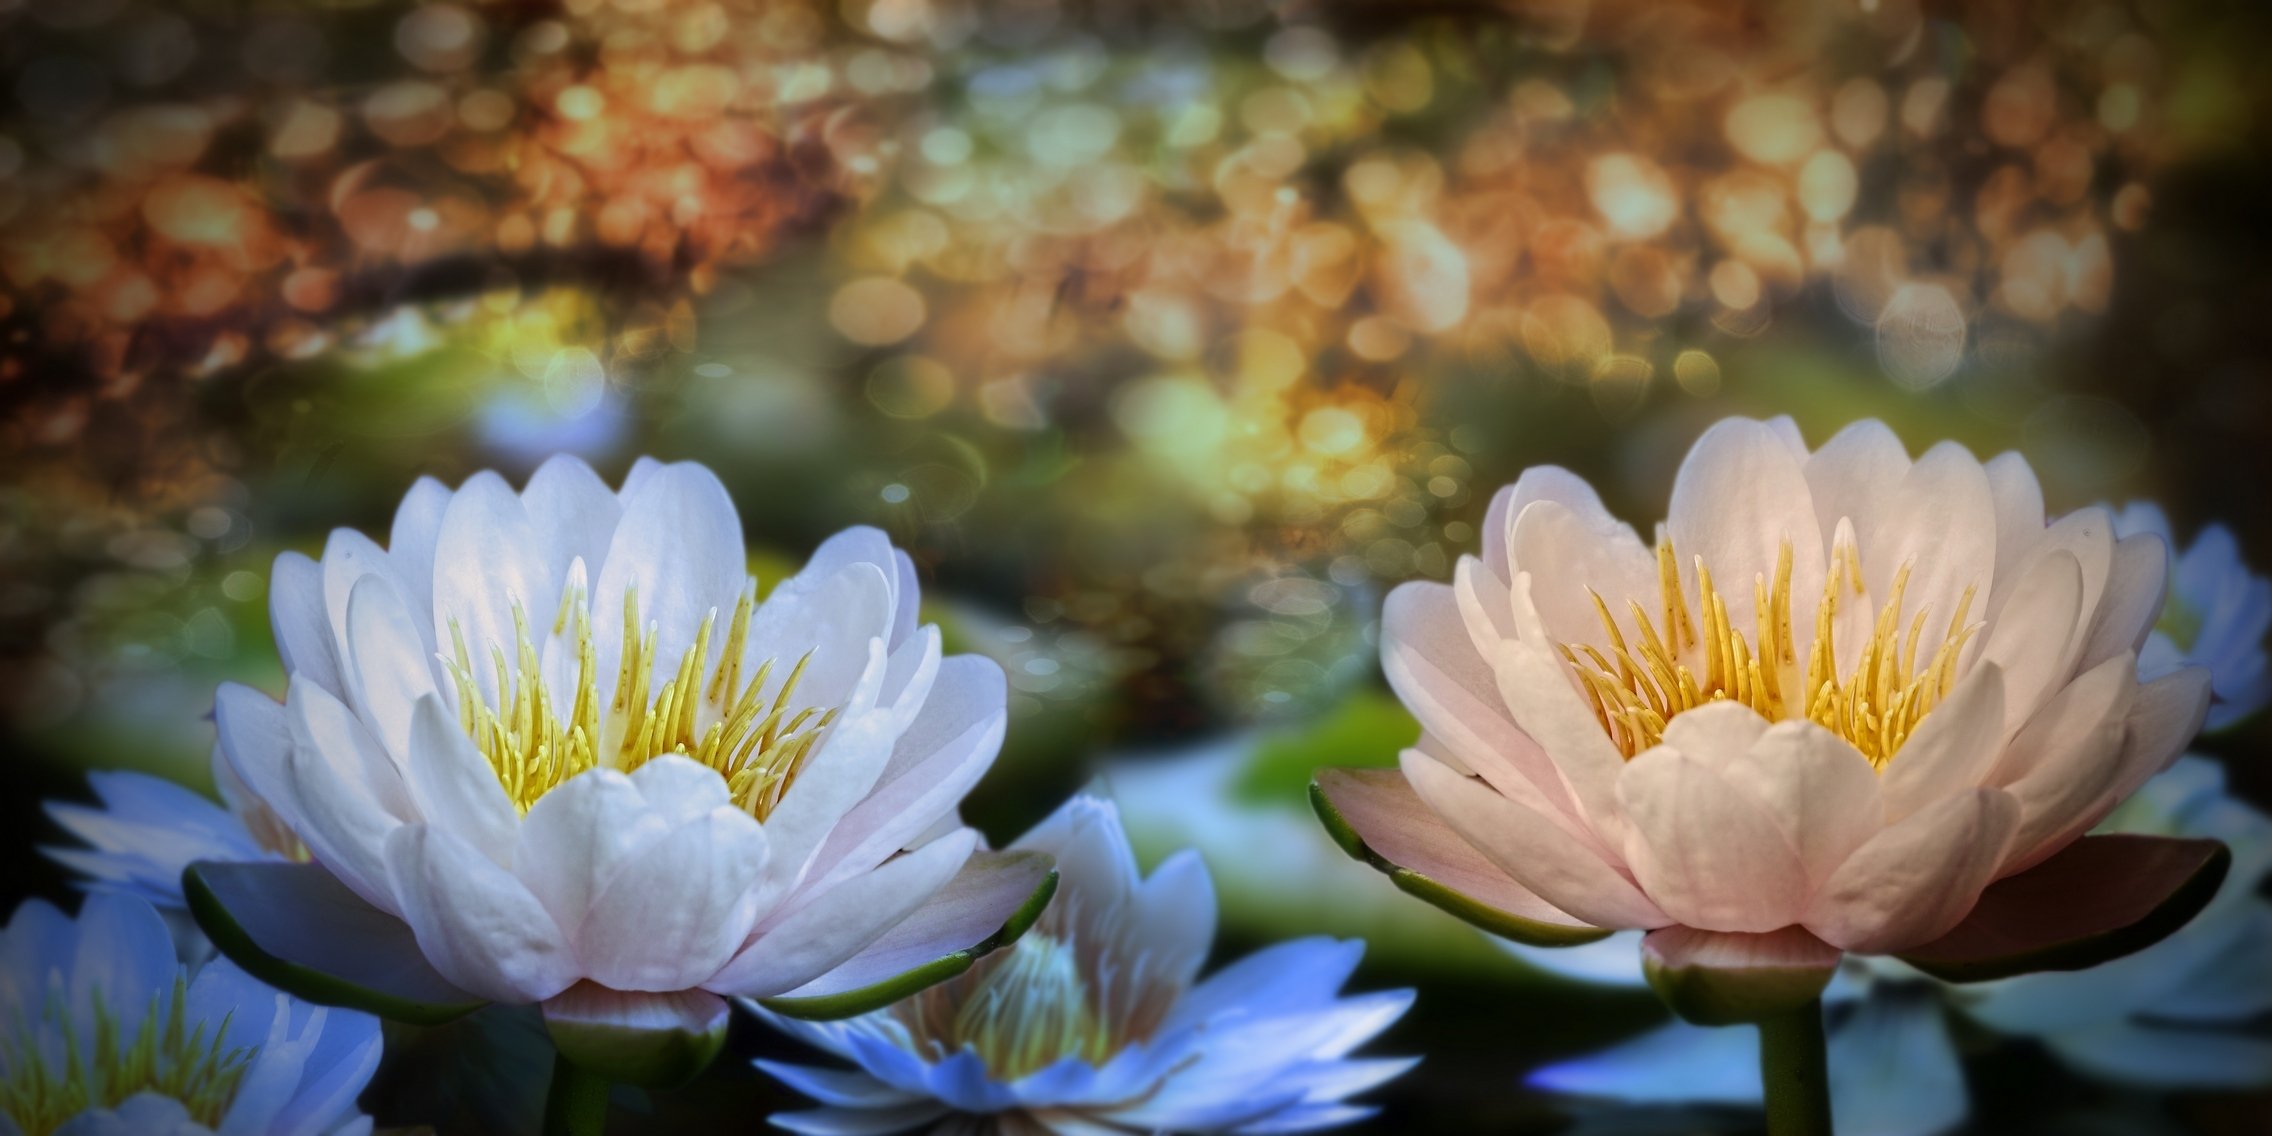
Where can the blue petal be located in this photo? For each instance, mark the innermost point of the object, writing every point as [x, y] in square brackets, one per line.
[859, 1121]
[840, 1088]
[2169, 1058]
[125, 956]
[1893, 1071]
[1677, 1063]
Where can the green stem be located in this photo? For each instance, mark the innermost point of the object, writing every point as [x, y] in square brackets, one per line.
[576, 1104]
[1793, 1068]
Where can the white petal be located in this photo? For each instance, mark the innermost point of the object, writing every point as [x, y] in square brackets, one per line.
[2019, 512]
[2064, 760]
[574, 512]
[1547, 708]
[1738, 497]
[1820, 790]
[256, 740]
[488, 564]
[348, 556]
[950, 745]
[1912, 882]
[833, 926]
[2034, 639]
[328, 796]
[1940, 524]
[1433, 667]
[478, 926]
[1708, 853]
[386, 663]
[576, 837]
[1538, 483]
[301, 622]
[1532, 848]
[1569, 556]
[456, 787]
[678, 553]
[1853, 472]
[673, 915]
[412, 540]
[834, 621]
[1953, 748]
[2165, 714]
[2136, 583]
[840, 773]
[1718, 733]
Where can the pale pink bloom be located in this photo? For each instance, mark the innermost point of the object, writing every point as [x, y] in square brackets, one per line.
[1841, 694]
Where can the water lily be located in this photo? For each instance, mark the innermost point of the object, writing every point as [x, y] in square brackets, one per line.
[147, 830]
[2217, 615]
[107, 1035]
[1849, 702]
[551, 747]
[2177, 1015]
[1097, 1020]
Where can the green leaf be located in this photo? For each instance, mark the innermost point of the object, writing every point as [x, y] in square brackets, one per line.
[297, 928]
[1367, 730]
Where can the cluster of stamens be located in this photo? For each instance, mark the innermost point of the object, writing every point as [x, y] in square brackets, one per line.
[1682, 661]
[708, 713]
[1024, 1013]
[43, 1087]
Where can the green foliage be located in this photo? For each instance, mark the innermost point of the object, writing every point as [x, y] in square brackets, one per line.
[1368, 730]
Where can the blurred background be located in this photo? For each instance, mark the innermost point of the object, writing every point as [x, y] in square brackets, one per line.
[1166, 334]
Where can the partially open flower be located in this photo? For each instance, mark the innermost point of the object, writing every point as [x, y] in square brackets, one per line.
[1097, 1022]
[105, 1034]
[148, 830]
[2217, 615]
[1847, 702]
[550, 747]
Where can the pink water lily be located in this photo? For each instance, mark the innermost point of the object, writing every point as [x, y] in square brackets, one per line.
[1846, 700]
[549, 746]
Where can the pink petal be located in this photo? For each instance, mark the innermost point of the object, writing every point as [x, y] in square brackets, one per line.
[1913, 881]
[1398, 832]
[1534, 849]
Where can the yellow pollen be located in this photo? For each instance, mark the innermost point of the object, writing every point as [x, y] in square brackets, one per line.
[1638, 686]
[716, 718]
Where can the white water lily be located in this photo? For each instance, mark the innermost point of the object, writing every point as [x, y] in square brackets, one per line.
[103, 1033]
[552, 746]
[2217, 615]
[2177, 1015]
[1844, 694]
[1098, 1022]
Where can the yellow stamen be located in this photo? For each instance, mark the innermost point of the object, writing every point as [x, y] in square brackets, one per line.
[1646, 679]
[702, 711]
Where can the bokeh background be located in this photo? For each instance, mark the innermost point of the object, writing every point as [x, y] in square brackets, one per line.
[1167, 335]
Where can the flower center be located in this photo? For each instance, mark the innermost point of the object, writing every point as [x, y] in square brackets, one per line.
[1635, 688]
[49, 1074]
[1022, 1015]
[713, 716]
